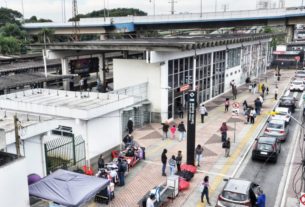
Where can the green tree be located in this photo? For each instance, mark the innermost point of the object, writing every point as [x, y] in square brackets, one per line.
[34, 19]
[9, 45]
[12, 30]
[9, 16]
[47, 34]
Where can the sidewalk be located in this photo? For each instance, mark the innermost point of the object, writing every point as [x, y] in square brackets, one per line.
[147, 173]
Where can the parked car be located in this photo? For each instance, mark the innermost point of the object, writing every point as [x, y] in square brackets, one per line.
[300, 74]
[277, 128]
[266, 148]
[288, 102]
[238, 192]
[297, 85]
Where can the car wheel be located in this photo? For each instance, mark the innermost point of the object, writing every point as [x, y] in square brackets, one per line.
[253, 158]
[275, 159]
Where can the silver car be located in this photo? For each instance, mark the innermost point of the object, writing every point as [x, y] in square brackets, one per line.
[277, 128]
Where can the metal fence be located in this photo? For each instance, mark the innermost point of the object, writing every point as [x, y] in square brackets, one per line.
[65, 152]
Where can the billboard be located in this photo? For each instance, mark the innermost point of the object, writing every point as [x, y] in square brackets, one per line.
[84, 66]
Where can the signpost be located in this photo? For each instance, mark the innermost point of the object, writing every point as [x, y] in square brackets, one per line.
[191, 128]
[235, 114]
[302, 200]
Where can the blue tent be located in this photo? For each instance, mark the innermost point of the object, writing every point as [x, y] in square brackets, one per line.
[68, 188]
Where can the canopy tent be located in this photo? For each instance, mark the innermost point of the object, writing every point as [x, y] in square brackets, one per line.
[68, 188]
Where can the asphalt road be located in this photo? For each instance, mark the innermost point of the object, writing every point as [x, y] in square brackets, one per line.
[268, 175]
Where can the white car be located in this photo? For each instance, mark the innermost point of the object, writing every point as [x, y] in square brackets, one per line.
[282, 113]
[297, 85]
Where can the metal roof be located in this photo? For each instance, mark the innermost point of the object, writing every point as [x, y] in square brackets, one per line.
[161, 44]
[22, 66]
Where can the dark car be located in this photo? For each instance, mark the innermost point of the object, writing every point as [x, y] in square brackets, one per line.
[288, 102]
[266, 148]
[238, 192]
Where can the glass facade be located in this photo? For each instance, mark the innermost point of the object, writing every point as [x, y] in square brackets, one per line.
[233, 57]
[218, 75]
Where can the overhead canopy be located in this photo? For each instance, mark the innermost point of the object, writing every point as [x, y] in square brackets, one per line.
[68, 188]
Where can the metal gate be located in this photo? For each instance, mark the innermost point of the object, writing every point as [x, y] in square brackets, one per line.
[65, 152]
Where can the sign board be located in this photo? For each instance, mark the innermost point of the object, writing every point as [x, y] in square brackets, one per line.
[297, 58]
[235, 105]
[191, 127]
[302, 200]
[184, 87]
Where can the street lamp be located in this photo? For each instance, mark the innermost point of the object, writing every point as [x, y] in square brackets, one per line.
[154, 6]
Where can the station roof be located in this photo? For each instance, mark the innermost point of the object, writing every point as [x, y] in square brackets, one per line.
[24, 66]
[57, 103]
[160, 44]
[23, 79]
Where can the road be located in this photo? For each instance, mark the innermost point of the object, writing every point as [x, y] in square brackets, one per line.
[269, 175]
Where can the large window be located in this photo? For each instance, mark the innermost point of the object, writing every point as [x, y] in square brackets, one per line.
[234, 57]
[218, 75]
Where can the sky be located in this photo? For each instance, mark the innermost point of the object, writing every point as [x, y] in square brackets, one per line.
[51, 9]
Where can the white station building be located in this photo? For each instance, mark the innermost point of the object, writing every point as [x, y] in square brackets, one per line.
[167, 64]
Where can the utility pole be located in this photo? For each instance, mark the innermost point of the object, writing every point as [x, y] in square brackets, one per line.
[215, 5]
[104, 10]
[154, 6]
[75, 22]
[63, 10]
[22, 7]
[200, 8]
[17, 137]
[172, 2]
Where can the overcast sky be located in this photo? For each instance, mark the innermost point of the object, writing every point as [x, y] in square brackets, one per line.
[51, 9]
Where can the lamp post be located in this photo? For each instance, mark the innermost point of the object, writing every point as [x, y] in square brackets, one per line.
[154, 6]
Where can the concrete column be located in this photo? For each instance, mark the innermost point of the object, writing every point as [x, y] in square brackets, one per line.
[250, 62]
[100, 70]
[65, 71]
[258, 59]
[211, 77]
[290, 33]
[164, 91]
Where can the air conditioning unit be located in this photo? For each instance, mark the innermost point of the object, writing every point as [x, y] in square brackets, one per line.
[2, 139]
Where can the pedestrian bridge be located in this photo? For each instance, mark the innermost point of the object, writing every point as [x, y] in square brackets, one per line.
[283, 16]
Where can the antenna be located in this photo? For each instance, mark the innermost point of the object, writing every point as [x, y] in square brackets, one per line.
[173, 2]
[75, 21]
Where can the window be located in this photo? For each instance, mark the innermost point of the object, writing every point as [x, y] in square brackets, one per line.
[233, 57]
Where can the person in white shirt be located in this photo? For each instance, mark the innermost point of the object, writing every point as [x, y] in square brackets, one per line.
[150, 201]
[203, 112]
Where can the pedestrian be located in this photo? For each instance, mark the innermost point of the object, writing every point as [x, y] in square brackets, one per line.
[179, 160]
[227, 104]
[261, 200]
[121, 171]
[258, 106]
[234, 92]
[224, 129]
[127, 140]
[205, 189]
[247, 114]
[164, 160]
[130, 125]
[254, 87]
[151, 200]
[263, 90]
[227, 147]
[180, 111]
[203, 112]
[165, 130]
[198, 152]
[250, 88]
[245, 105]
[101, 162]
[182, 131]
[276, 91]
[252, 116]
[267, 90]
[172, 165]
[173, 131]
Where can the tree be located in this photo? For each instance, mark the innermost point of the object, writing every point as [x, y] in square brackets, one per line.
[12, 30]
[9, 16]
[47, 34]
[9, 45]
[34, 19]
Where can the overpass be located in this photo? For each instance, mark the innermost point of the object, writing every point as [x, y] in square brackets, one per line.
[272, 17]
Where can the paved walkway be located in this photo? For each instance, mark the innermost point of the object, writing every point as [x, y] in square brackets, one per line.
[147, 173]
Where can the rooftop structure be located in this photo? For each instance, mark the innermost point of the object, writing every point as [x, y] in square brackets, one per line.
[64, 103]
[160, 44]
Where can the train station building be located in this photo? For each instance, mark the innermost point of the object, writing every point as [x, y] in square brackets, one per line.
[167, 65]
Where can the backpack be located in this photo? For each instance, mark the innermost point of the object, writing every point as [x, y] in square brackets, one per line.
[224, 145]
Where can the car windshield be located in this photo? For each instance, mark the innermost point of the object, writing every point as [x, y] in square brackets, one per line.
[282, 113]
[264, 147]
[300, 72]
[275, 126]
[234, 196]
[297, 83]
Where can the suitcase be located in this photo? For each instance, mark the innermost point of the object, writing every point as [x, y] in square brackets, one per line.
[183, 184]
[190, 168]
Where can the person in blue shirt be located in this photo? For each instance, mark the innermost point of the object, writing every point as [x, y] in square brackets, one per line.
[261, 200]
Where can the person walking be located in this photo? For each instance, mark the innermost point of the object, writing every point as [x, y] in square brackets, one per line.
[172, 165]
[198, 152]
[254, 87]
[234, 92]
[130, 125]
[250, 88]
[252, 116]
[165, 130]
[276, 91]
[182, 131]
[227, 104]
[258, 106]
[180, 111]
[224, 129]
[121, 171]
[205, 190]
[245, 105]
[267, 90]
[261, 200]
[263, 90]
[227, 147]
[173, 131]
[101, 162]
[203, 112]
[179, 160]
[247, 114]
[164, 161]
